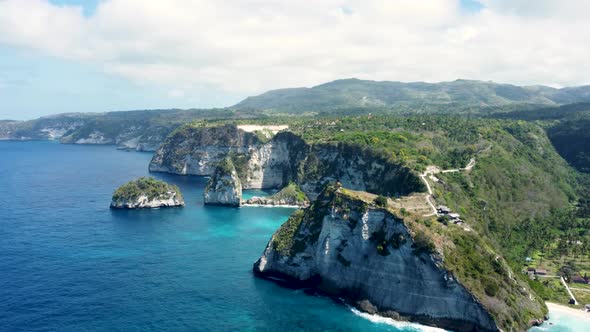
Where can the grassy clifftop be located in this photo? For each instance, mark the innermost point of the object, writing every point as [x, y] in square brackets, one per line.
[469, 257]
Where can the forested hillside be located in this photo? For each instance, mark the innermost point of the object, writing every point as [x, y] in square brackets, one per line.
[567, 127]
[460, 96]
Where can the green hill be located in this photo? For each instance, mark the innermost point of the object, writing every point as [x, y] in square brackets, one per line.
[459, 95]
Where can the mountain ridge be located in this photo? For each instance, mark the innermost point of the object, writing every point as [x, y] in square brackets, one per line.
[353, 92]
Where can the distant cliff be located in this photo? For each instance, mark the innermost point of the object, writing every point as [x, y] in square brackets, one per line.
[283, 159]
[348, 247]
[134, 130]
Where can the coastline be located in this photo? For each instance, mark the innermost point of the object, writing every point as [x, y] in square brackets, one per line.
[561, 309]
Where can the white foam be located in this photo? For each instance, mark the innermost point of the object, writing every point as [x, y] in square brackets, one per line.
[397, 324]
[365, 229]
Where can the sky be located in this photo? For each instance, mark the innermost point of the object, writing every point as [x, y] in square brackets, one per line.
[105, 55]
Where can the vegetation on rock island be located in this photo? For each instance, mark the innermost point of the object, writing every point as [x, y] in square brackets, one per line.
[145, 186]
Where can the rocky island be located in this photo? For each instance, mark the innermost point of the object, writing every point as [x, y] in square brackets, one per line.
[146, 193]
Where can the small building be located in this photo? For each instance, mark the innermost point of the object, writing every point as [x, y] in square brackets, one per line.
[454, 216]
[540, 272]
[443, 209]
[528, 259]
[578, 280]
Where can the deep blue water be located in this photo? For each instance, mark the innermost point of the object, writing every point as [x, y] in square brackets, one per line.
[69, 263]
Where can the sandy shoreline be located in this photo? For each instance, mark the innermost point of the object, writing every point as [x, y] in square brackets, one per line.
[557, 308]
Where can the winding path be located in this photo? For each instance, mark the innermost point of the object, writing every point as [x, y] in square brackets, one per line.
[430, 171]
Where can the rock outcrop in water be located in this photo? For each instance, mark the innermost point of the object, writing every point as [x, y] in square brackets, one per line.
[347, 247]
[146, 193]
[285, 158]
[224, 187]
[291, 195]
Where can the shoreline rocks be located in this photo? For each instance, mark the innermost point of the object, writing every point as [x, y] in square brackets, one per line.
[290, 196]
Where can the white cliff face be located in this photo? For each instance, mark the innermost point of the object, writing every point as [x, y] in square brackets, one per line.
[171, 199]
[55, 133]
[343, 260]
[267, 165]
[285, 158]
[96, 137]
[224, 187]
[201, 160]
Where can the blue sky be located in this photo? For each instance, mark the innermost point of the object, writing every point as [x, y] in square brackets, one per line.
[136, 54]
[34, 85]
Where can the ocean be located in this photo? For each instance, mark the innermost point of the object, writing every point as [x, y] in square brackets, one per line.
[69, 263]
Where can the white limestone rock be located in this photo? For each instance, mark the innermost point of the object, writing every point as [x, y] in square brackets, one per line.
[146, 193]
[224, 187]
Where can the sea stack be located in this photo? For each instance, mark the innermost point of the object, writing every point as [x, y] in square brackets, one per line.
[224, 187]
[146, 192]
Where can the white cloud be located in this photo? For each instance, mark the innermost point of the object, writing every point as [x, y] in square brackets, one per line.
[176, 94]
[250, 46]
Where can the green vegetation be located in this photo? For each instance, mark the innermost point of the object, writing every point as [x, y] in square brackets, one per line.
[571, 138]
[423, 243]
[567, 128]
[380, 201]
[414, 141]
[150, 187]
[353, 96]
[284, 240]
[292, 194]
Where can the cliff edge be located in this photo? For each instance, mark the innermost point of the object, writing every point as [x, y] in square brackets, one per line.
[347, 246]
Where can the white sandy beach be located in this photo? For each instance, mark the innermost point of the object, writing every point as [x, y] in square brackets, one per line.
[578, 313]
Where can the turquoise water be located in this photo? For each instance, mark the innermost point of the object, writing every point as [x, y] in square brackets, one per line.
[69, 263]
[561, 322]
[247, 194]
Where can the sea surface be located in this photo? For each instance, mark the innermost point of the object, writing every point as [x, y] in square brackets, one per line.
[69, 263]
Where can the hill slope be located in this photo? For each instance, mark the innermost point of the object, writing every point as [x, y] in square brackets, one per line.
[355, 93]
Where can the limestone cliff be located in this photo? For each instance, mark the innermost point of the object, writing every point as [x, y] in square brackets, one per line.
[197, 150]
[348, 247]
[146, 193]
[224, 187]
[283, 159]
[134, 131]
